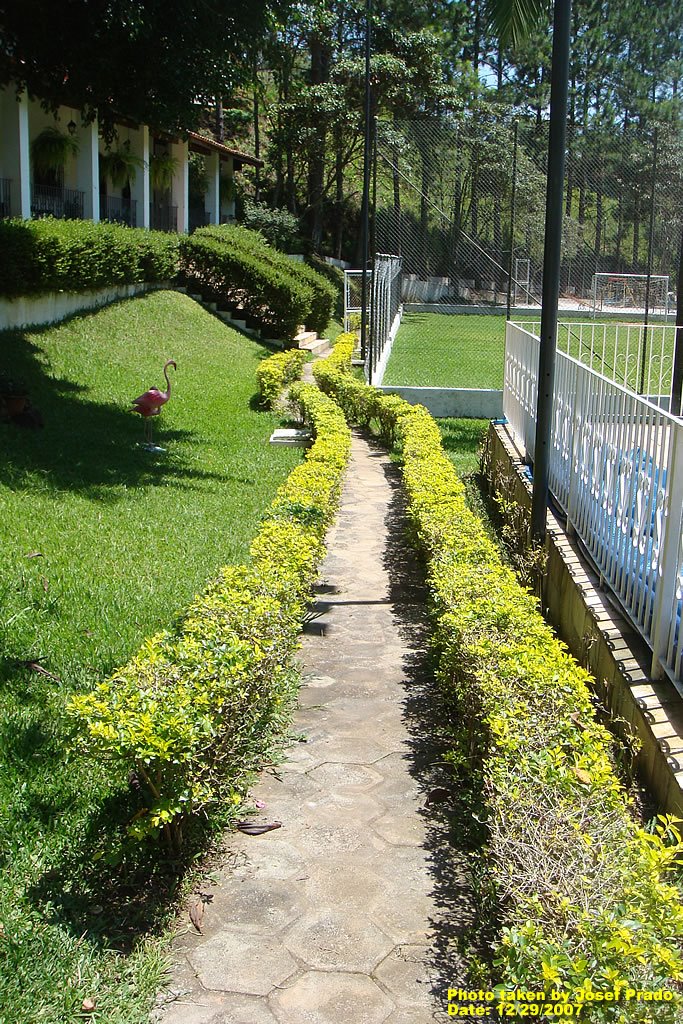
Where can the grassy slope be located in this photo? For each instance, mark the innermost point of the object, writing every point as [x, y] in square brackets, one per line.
[126, 539]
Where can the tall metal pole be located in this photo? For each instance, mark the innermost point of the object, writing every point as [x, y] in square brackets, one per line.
[677, 378]
[365, 215]
[512, 218]
[650, 244]
[552, 255]
[372, 341]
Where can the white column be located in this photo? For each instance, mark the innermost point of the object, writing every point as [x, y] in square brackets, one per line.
[88, 170]
[213, 191]
[180, 190]
[17, 151]
[139, 188]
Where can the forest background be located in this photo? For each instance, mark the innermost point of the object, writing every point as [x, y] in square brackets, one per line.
[286, 83]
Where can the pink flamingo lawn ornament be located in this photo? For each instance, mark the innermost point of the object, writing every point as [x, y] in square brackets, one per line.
[149, 404]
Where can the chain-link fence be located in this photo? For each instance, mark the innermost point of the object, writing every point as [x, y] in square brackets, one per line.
[463, 206]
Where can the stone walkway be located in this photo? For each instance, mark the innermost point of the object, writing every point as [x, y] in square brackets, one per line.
[349, 913]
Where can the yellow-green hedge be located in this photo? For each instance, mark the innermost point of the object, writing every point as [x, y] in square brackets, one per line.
[193, 711]
[274, 373]
[587, 894]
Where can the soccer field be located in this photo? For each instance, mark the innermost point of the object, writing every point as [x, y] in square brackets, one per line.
[448, 351]
[468, 351]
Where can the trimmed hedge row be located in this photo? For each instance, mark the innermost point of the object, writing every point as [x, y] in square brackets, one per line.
[587, 893]
[324, 294]
[222, 273]
[70, 255]
[274, 373]
[193, 711]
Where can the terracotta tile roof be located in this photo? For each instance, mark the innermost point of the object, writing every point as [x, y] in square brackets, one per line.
[204, 140]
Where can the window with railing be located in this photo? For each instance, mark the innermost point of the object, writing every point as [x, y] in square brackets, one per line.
[198, 218]
[118, 210]
[5, 197]
[56, 201]
[163, 217]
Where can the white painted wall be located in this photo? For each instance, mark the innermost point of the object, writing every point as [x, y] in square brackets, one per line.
[466, 403]
[51, 307]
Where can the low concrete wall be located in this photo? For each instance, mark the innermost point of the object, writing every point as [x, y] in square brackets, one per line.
[465, 403]
[605, 642]
[51, 307]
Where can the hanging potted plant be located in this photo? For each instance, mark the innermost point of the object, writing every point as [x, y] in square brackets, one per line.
[51, 150]
[120, 166]
[162, 168]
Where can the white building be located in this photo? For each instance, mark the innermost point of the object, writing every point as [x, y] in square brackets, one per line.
[79, 185]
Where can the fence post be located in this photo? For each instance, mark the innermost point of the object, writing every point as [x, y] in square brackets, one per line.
[677, 375]
[552, 256]
[669, 554]
[365, 215]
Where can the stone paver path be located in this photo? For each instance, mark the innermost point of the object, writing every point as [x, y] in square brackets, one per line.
[345, 915]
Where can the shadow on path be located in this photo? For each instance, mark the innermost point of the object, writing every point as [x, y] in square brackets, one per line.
[453, 835]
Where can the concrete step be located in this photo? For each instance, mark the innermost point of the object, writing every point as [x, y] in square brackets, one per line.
[318, 346]
[240, 325]
[303, 337]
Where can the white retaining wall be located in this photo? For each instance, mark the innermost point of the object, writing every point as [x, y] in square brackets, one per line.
[51, 307]
[465, 403]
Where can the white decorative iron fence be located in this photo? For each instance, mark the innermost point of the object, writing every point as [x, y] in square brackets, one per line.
[616, 470]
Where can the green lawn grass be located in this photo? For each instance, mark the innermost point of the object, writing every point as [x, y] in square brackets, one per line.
[461, 440]
[439, 350]
[334, 329]
[463, 351]
[102, 544]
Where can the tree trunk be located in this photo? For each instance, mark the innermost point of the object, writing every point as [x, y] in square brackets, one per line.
[320, 64]
[476, 38]
[257, 136]
[598, 222]
[396, 220]
[636, 237]
[339, 196]
[498, 243]
[220, 120]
